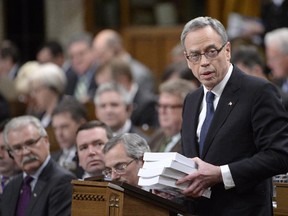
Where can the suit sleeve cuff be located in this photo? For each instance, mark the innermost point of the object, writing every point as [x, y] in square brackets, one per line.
[227, 177]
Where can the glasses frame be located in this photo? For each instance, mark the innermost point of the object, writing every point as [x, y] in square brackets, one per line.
[168, 107]
[206, 54]
[107, 172]
[26, 145]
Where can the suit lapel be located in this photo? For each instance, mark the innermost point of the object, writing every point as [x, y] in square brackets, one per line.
[226, 104]
[40, 185]
[16, 190]
[192, 110]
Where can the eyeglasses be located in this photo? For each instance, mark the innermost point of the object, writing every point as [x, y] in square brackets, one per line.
[29, 144]
[212, 53]
[120, 169]
[168, 106]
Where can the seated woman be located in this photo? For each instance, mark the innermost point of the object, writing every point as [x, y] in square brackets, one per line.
[46, 90]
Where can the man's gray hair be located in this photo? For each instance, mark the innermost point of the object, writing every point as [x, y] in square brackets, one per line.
[134, 144]
[202, 22]
[278, 37]
[114, 87]
[23, 121]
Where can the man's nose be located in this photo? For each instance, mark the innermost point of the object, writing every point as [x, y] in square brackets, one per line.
[115, 175]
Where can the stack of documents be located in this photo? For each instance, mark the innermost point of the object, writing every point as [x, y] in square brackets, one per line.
[161, 170]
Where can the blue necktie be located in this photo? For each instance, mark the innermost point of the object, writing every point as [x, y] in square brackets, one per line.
[25, 196]
[208, 119]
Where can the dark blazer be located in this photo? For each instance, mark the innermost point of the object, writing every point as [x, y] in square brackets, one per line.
[249, 132]
[144, 111]
[51, 196]
[72, 79]
[78, 171]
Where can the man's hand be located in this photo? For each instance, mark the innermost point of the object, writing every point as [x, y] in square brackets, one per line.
[206, 176]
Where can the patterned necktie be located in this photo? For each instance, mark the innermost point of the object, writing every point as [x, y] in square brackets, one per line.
[25, 195]
[81, 89]
[208, 119]
[164, 142]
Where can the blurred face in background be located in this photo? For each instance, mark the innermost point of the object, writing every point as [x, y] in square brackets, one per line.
[277, 62]
[112, 110]
[40, 95]
[65, 128]
[170, 113]
[7, 164]
[81, 57]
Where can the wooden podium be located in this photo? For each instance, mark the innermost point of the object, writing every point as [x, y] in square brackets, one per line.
[93, 198]
[281, 199]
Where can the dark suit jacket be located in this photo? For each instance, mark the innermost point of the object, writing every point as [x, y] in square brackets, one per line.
[72, 79]
[249, 132]
[144, 111]
[156, 142]
[51, 196]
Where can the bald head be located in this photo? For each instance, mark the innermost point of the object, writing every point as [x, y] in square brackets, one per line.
[106, 45]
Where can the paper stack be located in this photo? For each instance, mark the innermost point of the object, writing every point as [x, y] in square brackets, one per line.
[161, 170]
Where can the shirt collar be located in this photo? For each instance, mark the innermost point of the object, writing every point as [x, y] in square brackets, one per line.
[218, 89]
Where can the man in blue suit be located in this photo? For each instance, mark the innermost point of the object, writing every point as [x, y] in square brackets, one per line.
[51, 184]
[247, 141]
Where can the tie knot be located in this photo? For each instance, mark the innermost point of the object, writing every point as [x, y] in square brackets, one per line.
[209, 97]
[27, 180]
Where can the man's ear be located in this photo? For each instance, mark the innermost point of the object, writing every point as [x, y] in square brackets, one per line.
[129, 109]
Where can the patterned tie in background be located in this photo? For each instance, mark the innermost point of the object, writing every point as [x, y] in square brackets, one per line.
[207, 121]
[81, 89]
[164, 142]
[25, 195]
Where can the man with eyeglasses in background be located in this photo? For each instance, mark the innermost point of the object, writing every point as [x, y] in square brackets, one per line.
[44, 188]
[246, 142]
[172, 94]
[91, 137]
[123, 156]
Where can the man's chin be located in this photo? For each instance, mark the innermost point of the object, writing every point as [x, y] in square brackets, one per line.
[31, 167]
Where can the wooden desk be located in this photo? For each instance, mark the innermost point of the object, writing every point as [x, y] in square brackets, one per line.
[281, 199]
[92, 198]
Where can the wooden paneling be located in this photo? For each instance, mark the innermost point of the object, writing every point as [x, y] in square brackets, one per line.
[152, 45]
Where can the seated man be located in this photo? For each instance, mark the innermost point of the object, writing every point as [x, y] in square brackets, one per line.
[90, 139]
[8, 167]
[171, 98]
[44, 188]
[123, 156]
[68, 115]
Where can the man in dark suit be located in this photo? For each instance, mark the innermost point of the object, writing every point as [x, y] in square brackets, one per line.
[50, 188]
[80, 75]
[246, 143]
[142, 100]
[68, 115]
[172, 94]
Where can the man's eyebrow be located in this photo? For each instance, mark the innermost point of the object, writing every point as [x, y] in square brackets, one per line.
[211, 46]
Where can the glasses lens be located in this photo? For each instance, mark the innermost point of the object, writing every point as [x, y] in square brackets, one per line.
[211, 53]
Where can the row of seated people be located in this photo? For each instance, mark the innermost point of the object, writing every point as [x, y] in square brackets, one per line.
[29, 145]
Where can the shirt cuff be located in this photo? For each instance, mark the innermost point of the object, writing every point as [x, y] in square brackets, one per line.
[227, 177]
